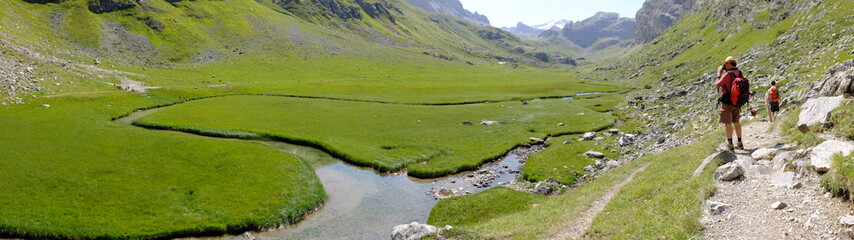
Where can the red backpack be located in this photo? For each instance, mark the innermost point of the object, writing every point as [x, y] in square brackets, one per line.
[739, 95]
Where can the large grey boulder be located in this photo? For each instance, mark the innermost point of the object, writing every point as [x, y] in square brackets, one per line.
[840, 80]
[412, 231]
[729, 172]
[821, 155]
[725, 157]
[817, 110]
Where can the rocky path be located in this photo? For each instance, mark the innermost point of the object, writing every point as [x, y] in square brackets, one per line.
[578, 226]
[770, 203]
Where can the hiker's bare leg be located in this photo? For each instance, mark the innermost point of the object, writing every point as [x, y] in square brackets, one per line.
[728, 131]
[737, 130]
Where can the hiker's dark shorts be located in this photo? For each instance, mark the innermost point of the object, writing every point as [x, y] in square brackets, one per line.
[774, 106]
[729, 114]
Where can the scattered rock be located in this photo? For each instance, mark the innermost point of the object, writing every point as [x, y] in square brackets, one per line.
[412, 231]
[783, 179]
[467, 123]
[594, 154]
[248, 235]
[728, 172]
[847, 220]
[626, 140]
[817, 110]
[567, 142]
[614, 131]
[782, 158]
[715, 208]
[764, 153]
[822, 154]
[561, 124]
[546, 187]
[45, 105]
[589, 136]
[536, 140]
[725, 157]
[489, 122]
[778, 205]
[97, 62]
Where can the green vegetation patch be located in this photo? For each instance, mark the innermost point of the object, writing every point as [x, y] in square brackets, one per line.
[840, 179]
[430, 140]
[843, 118]
[564, 162]
[489, 204]
[70, 172]
[664, 200]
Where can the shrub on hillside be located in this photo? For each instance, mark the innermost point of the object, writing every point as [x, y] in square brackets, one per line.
[840, 180]
[843, 118]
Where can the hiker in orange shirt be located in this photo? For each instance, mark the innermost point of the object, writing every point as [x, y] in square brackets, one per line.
[772, 101]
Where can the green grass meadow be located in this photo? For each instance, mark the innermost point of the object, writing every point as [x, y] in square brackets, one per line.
[70, 172]
[429, 141]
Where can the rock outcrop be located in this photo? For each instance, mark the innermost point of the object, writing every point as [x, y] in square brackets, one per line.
[840, 80]
[657, 15]
[104, 6]
[450, 7]
[818, 110]
[822, 154]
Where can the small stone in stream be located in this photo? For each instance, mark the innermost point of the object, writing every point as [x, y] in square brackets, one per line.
[413, 230]
[778, 205]
[536, 140]
[248, 235]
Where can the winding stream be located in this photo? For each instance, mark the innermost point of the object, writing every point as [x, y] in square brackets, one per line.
[365, 204]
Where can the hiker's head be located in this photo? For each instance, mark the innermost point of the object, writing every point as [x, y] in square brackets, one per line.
[773, 83]
[730, 63]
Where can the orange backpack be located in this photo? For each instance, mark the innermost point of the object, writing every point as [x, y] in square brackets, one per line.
[773, 95]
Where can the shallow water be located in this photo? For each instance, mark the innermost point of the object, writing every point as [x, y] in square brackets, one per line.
[365, 204]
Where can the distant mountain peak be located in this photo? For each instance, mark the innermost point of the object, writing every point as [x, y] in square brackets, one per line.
[556, 24]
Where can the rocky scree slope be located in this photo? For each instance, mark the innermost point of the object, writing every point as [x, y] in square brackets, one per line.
[657, 15]
[451, 7]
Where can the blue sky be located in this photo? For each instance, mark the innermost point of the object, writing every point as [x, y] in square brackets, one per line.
[506, 13]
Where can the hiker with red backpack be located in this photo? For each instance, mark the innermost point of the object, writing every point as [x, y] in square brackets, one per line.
[773, 101]
[735, 93]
